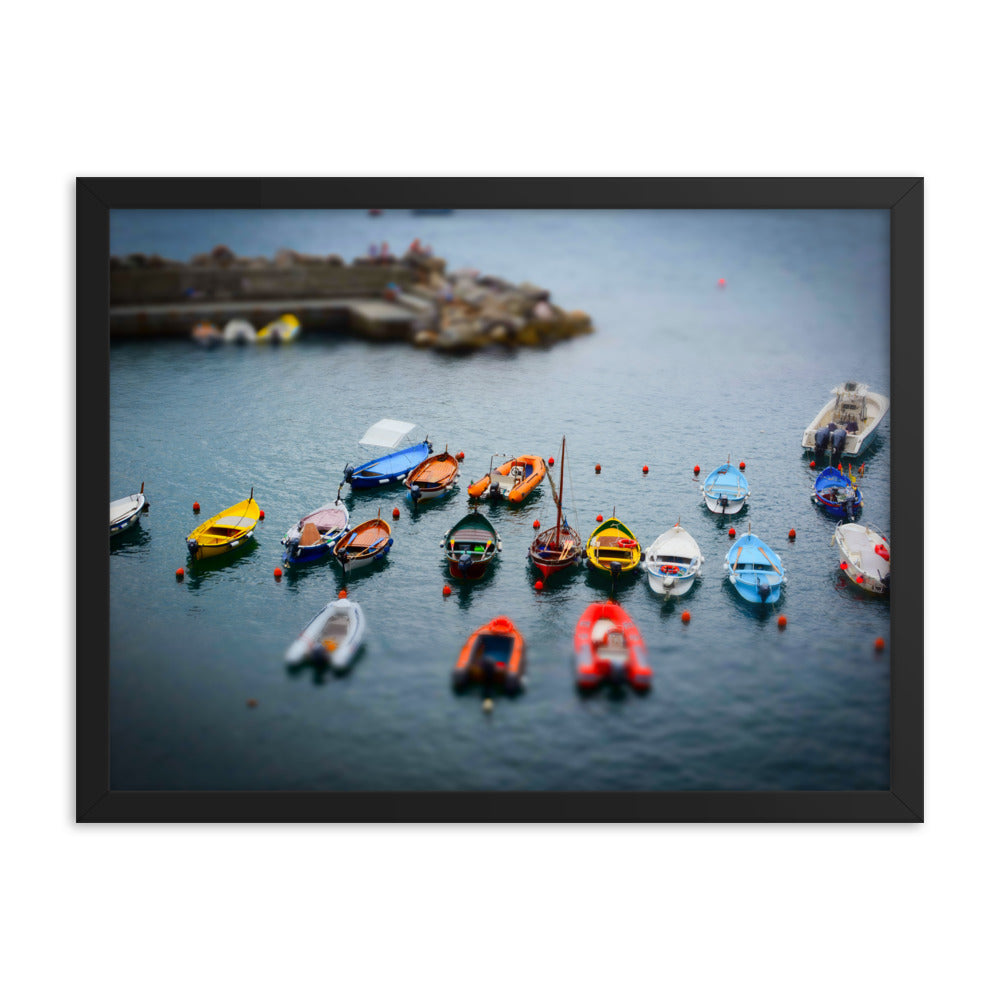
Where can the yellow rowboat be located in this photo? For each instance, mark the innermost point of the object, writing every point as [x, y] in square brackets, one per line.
[281, 330]
[226, 531]
[612, 548]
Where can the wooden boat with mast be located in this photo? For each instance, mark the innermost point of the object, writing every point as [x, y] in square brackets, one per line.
[561, 546]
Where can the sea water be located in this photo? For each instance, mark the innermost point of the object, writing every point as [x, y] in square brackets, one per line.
[679, 371]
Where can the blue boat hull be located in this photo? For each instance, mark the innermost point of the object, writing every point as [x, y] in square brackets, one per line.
[393, 468]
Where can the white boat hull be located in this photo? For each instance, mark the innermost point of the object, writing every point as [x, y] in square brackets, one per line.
[124, 513]
[858, 550]
[672, 563]
[338, 653]
[856, 443]
[734, 506]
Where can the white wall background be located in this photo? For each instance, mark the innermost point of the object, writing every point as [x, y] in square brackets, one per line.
[401, 89]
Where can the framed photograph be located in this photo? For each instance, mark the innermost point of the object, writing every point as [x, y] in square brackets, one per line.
[518, 500]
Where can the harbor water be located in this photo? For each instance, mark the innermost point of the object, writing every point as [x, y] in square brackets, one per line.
[681, 370]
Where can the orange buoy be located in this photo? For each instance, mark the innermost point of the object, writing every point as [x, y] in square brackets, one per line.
[539, 585]
[697, 469]
[277, 572]
[600, 517]
[461, 456]
[395, 512]
[791, 534]
[782, 621]
[342, 594]
[536, 524]
[180, 573]
[686, 617]
[251, 702]
[445, 591]
[262, 515]
[743, 465]
[552, 461]
[645, 470]
[732, 532]
[597, 469]
[196, 506]
[721, 283]
[879, 644]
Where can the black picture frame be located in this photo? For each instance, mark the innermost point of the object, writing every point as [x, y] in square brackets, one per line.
[96, 802]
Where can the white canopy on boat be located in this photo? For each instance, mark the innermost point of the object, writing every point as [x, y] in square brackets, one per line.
[386, 433]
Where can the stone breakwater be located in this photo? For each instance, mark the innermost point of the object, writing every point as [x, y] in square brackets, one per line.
[412, 298]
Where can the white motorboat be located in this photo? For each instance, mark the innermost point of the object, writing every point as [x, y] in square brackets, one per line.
[125, 511]
[726, 489]
[864, 556]
[334, 636]
[672, 562]
[239, 331]
[847, 423]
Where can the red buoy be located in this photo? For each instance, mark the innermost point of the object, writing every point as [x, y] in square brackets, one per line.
[536, 524]
[395, 512]
[539, 585]
[262, 515]
[840, 467]
[461, 456]
[859, 579]
[180, 573]
[251, 702]
[732, 532]
[721, 283]
[600, 517]
[812, 465]
[743, 465]
[597, 469]
[697, 469]
[277, 572]
[879, 644]
[196, 506]
[342, 594]
[686, 617]
[445, 591]
[791, 534]
[645, 470]
[552, 461]
[782, 621]
[843, 566]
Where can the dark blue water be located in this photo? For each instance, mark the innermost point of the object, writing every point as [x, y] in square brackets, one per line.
[678, 372]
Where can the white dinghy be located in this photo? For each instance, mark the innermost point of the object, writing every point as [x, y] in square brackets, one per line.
[334, 636]
[864, 556]
[672, 562]
[239, 331]
[847, 423]
[125, 511]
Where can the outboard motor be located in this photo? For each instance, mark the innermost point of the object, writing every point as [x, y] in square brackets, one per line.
[764, 589]
[822, 440]
[723, 503]
[415, 492]
[617, 673]
[348, 472]
[837, 442]
[464, 563]
[192, 546]
[494, 491]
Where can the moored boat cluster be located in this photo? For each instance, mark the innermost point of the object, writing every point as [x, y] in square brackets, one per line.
[608, 646]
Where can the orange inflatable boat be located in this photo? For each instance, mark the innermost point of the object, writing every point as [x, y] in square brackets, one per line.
[492, 655]
[609, 647]
[515, 479]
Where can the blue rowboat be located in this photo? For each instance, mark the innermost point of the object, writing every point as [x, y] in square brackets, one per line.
[315, 534]
[393, 467]
[837, 493]
[726, 490]
[755, 570]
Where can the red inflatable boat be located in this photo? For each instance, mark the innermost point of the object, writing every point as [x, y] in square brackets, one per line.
[609, 647]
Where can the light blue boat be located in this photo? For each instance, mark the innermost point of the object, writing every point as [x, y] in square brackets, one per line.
[755, 570]
[393, 467]
[726, 490]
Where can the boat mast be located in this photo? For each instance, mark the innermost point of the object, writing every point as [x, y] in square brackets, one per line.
[562, 462]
